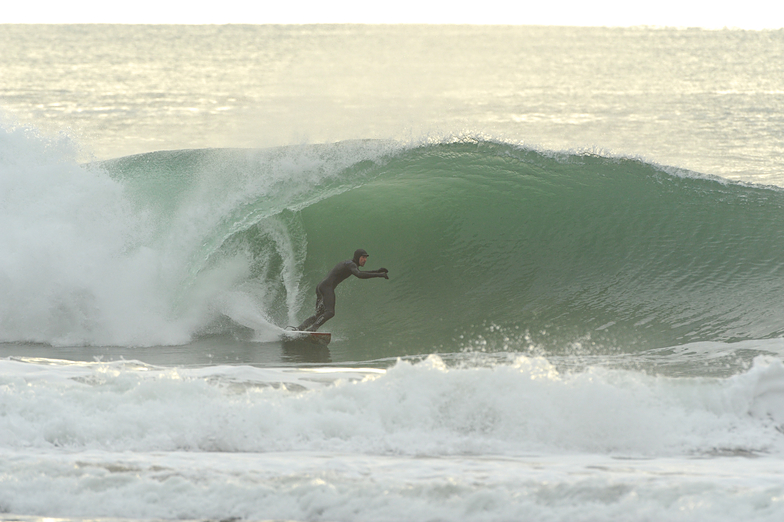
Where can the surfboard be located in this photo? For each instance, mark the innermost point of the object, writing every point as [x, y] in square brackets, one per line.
[322, 338]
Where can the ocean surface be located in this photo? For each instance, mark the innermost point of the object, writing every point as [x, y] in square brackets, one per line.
[584, 232]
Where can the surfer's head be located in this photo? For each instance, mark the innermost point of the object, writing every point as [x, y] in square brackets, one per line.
[360, 256]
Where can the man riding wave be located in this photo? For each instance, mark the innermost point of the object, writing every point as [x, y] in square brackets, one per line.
[325, 291]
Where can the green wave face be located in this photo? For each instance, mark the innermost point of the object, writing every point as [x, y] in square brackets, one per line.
[487, 244]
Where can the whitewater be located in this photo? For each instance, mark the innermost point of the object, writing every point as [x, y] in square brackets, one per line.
[583, 231]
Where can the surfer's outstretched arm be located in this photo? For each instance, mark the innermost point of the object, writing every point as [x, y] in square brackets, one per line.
[368, 274]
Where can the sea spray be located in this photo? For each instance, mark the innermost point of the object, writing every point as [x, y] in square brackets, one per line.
[75, 264]
[156, 249]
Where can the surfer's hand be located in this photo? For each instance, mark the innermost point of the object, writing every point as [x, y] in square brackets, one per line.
[384, 270]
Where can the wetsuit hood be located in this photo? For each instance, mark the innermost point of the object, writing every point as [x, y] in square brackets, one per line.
[359, 253]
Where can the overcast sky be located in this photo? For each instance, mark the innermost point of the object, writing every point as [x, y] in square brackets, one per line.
[747, 14]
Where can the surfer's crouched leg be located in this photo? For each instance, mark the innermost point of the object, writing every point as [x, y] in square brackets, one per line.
[307, 323]
[320, 310]
[323, 318]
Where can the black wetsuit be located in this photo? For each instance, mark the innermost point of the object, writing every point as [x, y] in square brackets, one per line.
[325, 291]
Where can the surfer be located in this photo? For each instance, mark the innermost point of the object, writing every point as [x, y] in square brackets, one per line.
[325, 291]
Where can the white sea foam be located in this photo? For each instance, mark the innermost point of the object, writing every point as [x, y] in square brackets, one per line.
[330, 486]
[418, 441]
[424, 408]
[75, 266]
